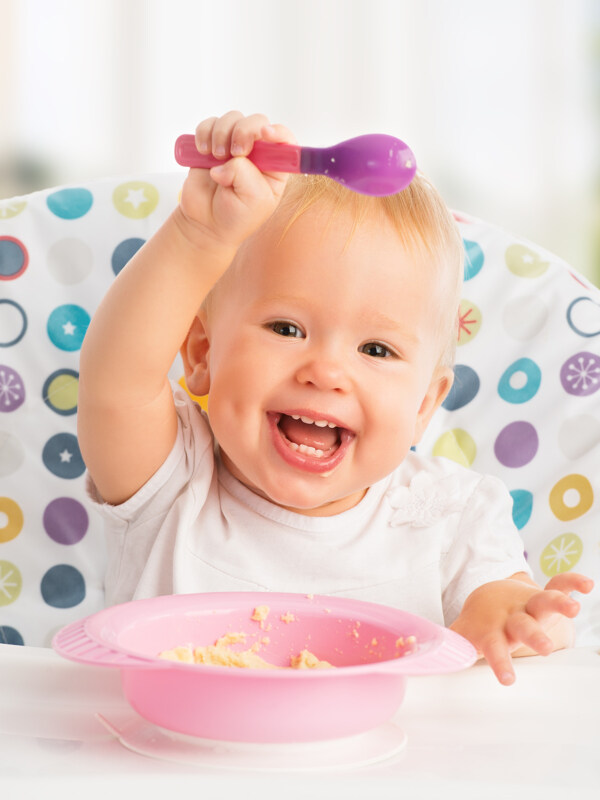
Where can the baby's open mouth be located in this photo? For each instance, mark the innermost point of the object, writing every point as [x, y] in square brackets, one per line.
[310, 444]
[312, 437]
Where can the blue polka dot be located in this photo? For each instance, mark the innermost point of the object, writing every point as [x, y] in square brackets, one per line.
[520, 382]
[522, 507]
[464, 388]
[70, 203]
[123, 252]
[14, 258]
[474, 259]
[10, 635]
[63, 586]
[13, 321]
[62, 457]
[67, 326]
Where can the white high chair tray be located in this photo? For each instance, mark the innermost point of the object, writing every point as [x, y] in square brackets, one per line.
[466, 737]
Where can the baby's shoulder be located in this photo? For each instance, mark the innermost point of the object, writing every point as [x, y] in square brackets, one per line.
[434, 470]
[425, 489]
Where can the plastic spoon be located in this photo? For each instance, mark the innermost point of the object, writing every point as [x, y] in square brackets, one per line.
[375, 164]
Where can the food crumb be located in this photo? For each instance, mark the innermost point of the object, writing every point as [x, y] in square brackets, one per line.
[307, 660]
[260, 614]
[287, 617]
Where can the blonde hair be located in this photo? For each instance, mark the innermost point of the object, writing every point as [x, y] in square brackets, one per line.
[422, 221]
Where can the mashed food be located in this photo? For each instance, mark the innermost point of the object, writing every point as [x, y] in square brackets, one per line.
[220, 654]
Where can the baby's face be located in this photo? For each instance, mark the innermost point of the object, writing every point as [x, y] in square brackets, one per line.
[323, 360]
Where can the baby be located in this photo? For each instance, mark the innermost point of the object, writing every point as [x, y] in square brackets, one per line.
[323, 323]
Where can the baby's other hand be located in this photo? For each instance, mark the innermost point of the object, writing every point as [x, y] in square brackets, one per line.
[231, 201]
[517, 616]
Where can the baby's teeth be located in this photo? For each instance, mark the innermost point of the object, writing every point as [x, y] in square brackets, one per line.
[310, 451]
[320, 423]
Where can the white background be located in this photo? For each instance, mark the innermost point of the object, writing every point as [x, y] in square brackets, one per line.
[498, 100]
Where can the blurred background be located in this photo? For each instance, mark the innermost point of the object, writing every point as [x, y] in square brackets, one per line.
[500, 101]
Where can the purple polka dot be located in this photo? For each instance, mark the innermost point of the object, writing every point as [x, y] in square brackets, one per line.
[12, 389]
[516, 444]
[66, 520]
[580, 374]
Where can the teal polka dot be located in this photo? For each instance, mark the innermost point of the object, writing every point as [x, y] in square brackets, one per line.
[67, 326]
[522, 507]
[70, 203]
[520, 382]
[474, 259]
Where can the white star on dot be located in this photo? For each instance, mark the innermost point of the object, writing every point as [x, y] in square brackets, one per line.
[65, 456]
[69, 329]
[136, 197]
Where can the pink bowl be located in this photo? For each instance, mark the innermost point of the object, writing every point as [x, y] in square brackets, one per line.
[249, 705]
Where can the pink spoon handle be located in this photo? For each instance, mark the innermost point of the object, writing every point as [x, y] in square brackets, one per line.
[267, 156]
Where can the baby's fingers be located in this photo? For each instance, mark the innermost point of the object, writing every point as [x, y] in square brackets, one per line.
[213, 135]
[547, 602]
[497, 653]
[245, 132]
[523, 629]
[570, 582]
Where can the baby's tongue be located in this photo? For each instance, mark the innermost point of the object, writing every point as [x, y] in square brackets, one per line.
[308, 434]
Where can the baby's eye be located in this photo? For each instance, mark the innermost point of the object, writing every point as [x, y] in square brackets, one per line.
[375, 350]
[286, 329]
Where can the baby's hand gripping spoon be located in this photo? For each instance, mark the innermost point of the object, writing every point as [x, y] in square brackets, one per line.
[374, 164]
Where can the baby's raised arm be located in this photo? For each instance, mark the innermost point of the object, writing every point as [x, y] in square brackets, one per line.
[126, 415]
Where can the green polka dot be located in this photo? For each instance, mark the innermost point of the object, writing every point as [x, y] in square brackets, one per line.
[525, 262]
[561, 554]
[135, 199]
[456, 445]
[469, 322]
[11, 208]
[11, 583]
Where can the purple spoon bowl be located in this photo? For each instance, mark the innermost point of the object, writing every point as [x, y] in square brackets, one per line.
[374, 164]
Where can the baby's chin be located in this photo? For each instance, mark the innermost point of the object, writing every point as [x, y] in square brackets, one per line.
[296, 500]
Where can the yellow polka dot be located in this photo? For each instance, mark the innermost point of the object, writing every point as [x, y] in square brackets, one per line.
[525, 262]
[135, 199]
[62, 392]
[581, 488]
[11, 208]
[11, 583]
[202, 401]
[469, 322]
[561, 554]
[456, 445]
[12, 516]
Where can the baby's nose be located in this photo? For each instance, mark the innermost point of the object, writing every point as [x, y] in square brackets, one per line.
[325, 373]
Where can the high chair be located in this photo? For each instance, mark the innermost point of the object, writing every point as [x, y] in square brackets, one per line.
[525, 405]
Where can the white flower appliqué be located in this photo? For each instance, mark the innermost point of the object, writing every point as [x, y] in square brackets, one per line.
[425, 501]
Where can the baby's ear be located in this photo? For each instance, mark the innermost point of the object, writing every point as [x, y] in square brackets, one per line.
[194, 354]
[440, 385]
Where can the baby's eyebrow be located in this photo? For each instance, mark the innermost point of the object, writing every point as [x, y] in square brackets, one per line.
[378, 319]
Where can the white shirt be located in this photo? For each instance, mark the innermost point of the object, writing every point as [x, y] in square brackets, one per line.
[421, 540]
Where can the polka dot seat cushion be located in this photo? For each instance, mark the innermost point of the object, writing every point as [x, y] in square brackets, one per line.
[525, 405]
